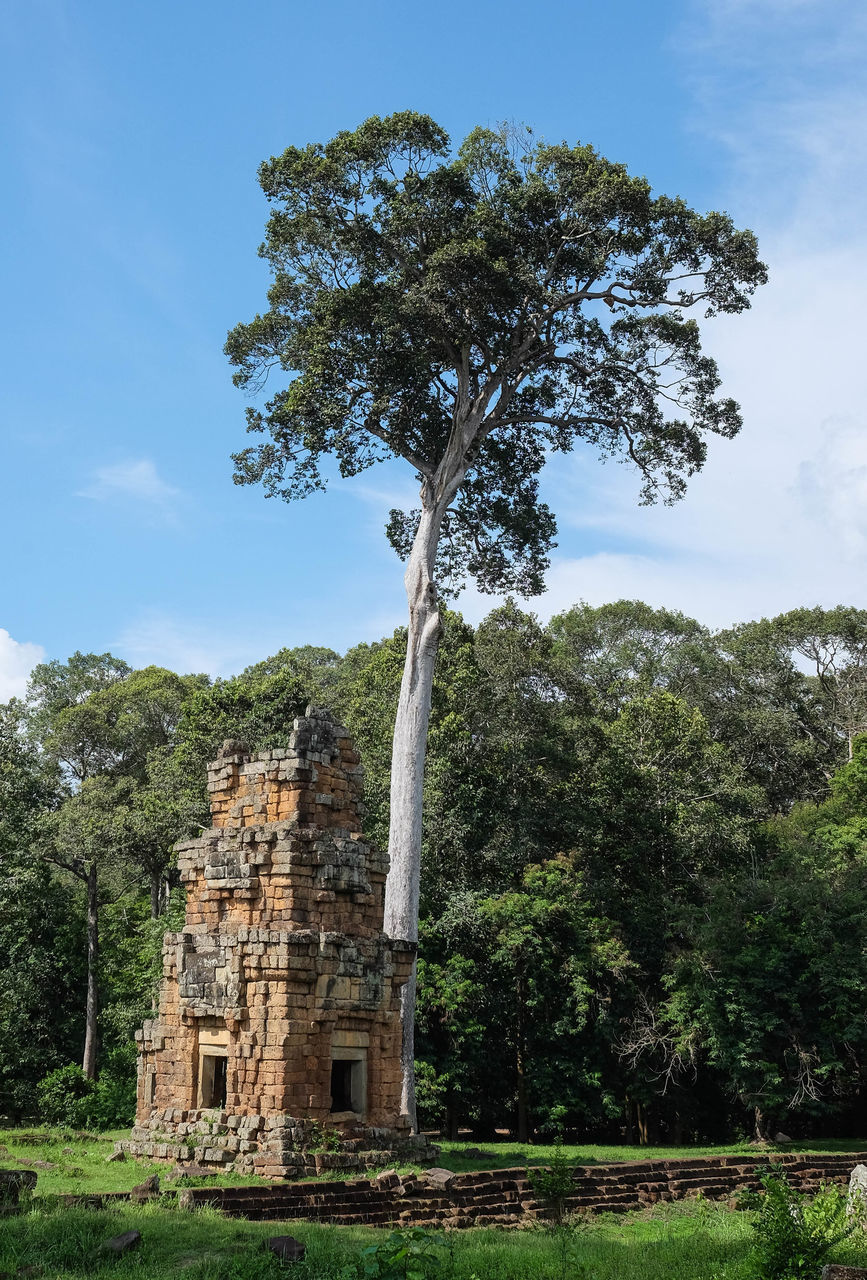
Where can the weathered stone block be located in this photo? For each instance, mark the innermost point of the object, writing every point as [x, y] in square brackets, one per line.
[281, 994]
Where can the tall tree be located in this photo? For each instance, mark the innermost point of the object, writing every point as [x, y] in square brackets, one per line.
[99, 722]
[471, 314]
[90, 837]
[39, 975]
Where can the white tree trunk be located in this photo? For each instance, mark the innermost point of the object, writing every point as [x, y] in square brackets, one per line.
[407, 772]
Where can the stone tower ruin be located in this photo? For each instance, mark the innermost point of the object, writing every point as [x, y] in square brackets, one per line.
[278, 1029]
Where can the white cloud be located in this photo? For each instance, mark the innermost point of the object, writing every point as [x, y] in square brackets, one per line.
[778, 517]
[160, 640]
[17, 660]
[136, 478]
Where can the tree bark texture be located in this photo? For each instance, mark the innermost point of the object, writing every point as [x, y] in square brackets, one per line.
[521, 1066]
[407, 773]
[156, 891]
[89, 1061]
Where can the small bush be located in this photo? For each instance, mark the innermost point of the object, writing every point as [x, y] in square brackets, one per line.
[553, 1185]
[65, 1097]
[411, 1254]
[793, 1236]
[114, 1098]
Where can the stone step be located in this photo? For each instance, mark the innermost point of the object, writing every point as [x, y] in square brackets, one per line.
[505, 1197]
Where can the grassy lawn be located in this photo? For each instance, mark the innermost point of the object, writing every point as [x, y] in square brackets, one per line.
[505, 1155]
[695, 1242]
[81, 1165]
[686, 1241]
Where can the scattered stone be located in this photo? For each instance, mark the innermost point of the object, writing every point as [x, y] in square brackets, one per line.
[120, 1244]
[284, 895]
[94, 1201]
[184, 1172]
[68, 1151]
[782, 1139]
[36, 1164]
[856, 1200]
[146, 1190]
[387, 1178]
[439, 1177]
[115, 1157]
[286, 1248]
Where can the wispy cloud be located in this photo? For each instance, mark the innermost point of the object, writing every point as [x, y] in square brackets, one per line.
[17, 660]
[156, 638]
[778, 517]
[136, 478]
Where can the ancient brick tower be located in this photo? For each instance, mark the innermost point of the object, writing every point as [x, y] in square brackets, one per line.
[278, 1024]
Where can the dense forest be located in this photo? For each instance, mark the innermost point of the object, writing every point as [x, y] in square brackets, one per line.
[644, 898]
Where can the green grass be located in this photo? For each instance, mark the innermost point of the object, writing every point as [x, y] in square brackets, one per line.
[684, 1242]
[82, 1166]
[506, 1155]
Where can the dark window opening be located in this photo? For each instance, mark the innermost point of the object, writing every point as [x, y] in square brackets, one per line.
[213, 1077]
[341, 1085]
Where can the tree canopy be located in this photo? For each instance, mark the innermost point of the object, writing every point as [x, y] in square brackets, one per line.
[475, 313]
[643, 849]
[471, 313]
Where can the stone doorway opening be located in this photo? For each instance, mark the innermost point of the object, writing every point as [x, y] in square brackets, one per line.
[348, 1085]
[212, 1080]
[213, 1067]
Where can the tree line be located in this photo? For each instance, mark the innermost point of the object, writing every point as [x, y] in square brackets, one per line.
[644, 843]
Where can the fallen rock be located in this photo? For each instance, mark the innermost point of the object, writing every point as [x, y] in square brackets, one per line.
[146, 1190]
[438, 1177]
[93, 1201]
[183, 1172]
[856, 1200]
[387, 1178]
[120, 1244]
[68, 1151]
[782, 1139]
[286, 1248]
[115, 1157]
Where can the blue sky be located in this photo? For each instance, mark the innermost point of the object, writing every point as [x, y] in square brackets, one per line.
[131, 135]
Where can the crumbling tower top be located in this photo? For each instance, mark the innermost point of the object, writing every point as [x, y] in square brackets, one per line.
[314, 782]
[279, 1009]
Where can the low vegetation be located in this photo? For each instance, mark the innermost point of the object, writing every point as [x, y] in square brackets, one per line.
[682, 1242]
[644, 841]
[79, 1164]
[776, 1235]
